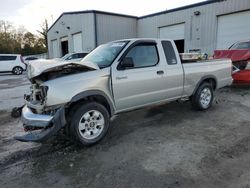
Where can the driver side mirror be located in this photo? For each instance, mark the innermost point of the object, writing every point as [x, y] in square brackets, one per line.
[127, 62]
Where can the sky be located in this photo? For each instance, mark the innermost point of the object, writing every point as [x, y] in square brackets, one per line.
[31, 13]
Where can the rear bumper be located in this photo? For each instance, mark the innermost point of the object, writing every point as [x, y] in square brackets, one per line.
[48, 125]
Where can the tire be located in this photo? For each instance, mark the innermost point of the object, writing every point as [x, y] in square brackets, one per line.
[203, 97]
[17, 70]
[89, 123]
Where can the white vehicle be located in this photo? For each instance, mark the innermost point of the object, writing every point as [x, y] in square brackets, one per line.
[12, 63]
[74, 56]
[27, 60]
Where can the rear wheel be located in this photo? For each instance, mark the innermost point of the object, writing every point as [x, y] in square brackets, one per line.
[89, 123]
[203, 97]
[17, 70]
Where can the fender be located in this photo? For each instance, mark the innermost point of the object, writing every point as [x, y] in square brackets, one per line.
[205, 78]
[89, 93]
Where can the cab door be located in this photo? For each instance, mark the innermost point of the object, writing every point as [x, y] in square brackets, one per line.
[141, 80]
[174, 77]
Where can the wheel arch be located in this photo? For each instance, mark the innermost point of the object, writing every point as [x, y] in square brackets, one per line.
[93, 95]
[210, 79]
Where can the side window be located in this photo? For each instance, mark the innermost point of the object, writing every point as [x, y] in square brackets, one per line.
[169, 52]
[144, 55]
[82, 55]
[243, 45]
[73, 56]
[7, 58]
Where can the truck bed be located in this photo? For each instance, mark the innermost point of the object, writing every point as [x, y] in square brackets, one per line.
[194, 71]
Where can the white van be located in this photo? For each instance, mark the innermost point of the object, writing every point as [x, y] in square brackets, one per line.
[12, 63]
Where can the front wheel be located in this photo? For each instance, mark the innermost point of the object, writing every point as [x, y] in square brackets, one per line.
[89, 123]
[203, 97]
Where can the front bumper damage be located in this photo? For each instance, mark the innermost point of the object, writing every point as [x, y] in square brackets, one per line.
[47, 125]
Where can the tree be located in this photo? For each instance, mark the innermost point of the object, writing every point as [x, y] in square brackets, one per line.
[7, 40]
[44, 32]
[21, 41]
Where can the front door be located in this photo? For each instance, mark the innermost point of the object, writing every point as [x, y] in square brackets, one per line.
[65, 48]
[141, 84]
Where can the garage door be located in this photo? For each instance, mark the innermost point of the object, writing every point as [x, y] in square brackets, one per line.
[77, 42]
[175, 32]
[233, 28]
[55, 51]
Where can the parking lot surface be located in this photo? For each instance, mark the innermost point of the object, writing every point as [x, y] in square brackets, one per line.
[12, 89]
[169, 145]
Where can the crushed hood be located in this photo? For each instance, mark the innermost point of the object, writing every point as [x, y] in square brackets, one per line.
[38, 67]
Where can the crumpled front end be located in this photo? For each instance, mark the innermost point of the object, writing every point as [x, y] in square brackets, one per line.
[40, 127]
[38, 120]
[43, 114]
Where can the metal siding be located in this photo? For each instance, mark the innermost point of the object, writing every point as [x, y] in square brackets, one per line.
[78, 23]
[175, 32]
[206, 36]
[200, 31]
[77, 42]
[230, 24]
[111, 28]
[54, 51]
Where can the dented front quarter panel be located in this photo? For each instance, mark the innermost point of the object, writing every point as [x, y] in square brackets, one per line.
[62, 90]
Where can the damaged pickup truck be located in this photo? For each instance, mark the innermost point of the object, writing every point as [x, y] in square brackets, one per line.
[82, 97]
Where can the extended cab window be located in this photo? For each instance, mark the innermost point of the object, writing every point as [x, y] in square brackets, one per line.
[169, 52]
[7, 58]
[144, 55]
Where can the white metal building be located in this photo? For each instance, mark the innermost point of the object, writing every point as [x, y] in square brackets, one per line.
[201, 27]
[84, 30]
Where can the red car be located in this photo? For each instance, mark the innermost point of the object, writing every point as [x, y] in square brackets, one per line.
[239, 53]
[242, 77]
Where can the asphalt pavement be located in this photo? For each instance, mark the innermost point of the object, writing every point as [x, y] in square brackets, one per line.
[169, 145]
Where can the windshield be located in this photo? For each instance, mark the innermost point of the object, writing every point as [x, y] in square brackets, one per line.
[242, 45]
[105, 54]
[65, 56]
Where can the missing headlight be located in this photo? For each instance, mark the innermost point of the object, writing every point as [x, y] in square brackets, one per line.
[44, 90]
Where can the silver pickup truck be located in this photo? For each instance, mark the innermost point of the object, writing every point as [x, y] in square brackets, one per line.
[82, 97]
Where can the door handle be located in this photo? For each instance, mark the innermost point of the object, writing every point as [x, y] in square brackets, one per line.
[160, 72]
[121, 77]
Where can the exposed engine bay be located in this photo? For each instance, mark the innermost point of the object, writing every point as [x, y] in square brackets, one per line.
[41, 72]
